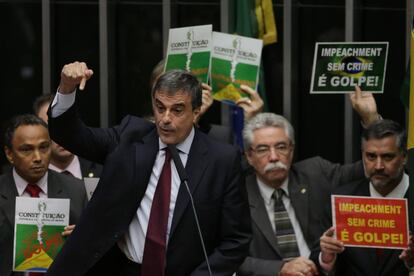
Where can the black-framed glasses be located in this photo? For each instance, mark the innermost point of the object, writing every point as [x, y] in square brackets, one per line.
[265, 150]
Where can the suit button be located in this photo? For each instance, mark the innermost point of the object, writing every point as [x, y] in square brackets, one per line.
[116, 236]
[96, 255]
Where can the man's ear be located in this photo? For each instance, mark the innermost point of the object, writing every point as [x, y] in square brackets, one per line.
[9, 154]
[248, 154]
[405, 158]
[196, 112]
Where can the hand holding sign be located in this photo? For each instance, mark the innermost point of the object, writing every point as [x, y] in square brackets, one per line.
[330, 246]
[365, 105]
[407, 255]
[207, 98]
[73, 74]
[252, 105]
[68, 230]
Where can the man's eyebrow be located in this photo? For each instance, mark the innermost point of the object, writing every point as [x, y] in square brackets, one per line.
[25, 145]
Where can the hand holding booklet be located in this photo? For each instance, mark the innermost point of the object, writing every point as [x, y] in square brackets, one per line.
[39, 223]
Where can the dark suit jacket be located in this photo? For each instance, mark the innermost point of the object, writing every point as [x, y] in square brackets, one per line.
[221, 133]
[59, 186]
[90, 169]
[310, 185]
[359, 261]
[129, 151]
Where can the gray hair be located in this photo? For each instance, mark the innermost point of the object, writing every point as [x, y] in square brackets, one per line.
[263, 120]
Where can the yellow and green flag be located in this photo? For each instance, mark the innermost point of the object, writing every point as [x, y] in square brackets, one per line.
[251, 18]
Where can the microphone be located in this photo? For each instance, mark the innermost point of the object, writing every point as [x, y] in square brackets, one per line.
[178, 164]
[184, 178]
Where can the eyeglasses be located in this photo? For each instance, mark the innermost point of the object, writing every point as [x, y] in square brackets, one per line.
[264, 150]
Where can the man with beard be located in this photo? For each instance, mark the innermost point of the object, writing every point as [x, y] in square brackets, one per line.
[62, 160]
[384, 155]
[287, 201]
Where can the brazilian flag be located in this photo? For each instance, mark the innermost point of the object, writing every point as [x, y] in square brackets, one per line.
[251, 18]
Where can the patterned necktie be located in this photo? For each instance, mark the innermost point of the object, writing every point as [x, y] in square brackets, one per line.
[285, 234]
[153, 262]
[33, 190]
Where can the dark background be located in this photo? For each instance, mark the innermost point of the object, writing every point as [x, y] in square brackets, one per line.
[136, 45]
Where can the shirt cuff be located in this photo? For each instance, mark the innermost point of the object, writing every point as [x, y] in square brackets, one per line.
[62, 102]
[326, 266]
[365, 126]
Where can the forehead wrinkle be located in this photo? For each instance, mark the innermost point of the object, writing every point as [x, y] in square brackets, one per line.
[168, 98]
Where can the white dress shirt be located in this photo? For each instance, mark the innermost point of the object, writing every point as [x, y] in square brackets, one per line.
[21, 185]
[134, 240]
[132, 243]
[266, 192]
[398, 192]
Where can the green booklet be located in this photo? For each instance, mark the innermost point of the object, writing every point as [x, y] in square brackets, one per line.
[189, 48]
[38, 227]
[339, 66]
[235, 61]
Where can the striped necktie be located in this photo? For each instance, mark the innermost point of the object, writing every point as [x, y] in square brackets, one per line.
[285, 234]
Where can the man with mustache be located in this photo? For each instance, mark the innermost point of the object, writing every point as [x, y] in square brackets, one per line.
[27, 148]
[384, 154]
[287, 201]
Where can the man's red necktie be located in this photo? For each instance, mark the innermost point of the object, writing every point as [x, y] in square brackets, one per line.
[33, 190]
[153, 262]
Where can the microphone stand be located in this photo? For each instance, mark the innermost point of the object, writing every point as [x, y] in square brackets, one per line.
[184, 178]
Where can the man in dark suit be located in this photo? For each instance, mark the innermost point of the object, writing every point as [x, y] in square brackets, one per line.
[116, 232]
[301, 190]
[384, 155]
[27, 147]
[61, 159]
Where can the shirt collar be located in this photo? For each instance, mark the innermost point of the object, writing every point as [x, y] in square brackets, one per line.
[73, 168]
[184, 146]
[21, 183]
[266, 191]
[398, 192]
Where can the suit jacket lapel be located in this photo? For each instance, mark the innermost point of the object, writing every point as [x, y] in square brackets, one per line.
[299, 195]
[53, 190]
[259, 212]
[197, 163]
[8, 194]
